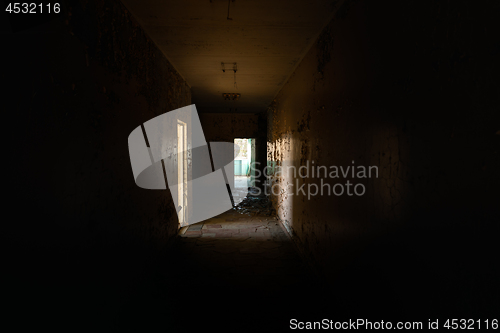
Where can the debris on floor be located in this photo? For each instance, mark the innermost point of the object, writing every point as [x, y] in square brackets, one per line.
[255, 203]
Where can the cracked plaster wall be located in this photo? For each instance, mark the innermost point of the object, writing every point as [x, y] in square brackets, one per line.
[409, 90]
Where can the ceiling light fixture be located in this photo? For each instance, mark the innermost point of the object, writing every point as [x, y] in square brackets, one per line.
[228, 6]
[235, 69]
[231, 96]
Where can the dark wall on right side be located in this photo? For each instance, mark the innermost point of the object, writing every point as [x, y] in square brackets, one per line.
[411, 89]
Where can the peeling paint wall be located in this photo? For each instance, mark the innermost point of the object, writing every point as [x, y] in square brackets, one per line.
[79, 85]
[408, 90]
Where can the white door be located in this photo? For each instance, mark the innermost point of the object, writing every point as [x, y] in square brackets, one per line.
[182, 171]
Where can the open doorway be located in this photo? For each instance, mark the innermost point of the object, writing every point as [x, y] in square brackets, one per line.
[244, 173]
[182, 172]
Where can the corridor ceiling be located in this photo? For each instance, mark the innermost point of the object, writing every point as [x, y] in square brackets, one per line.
[266, 38]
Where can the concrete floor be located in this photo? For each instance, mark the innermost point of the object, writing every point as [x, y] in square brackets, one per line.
[241, 181]
[241, 273]
[240, 188]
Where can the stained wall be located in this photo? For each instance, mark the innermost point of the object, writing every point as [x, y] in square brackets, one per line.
[80, 229]
[408, 89]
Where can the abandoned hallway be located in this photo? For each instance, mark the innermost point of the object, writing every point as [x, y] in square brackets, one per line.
[383, 116]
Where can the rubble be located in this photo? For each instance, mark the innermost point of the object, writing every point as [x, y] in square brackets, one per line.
[255, 203]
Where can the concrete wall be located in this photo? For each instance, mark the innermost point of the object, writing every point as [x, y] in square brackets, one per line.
[79, 228]
[409, 89]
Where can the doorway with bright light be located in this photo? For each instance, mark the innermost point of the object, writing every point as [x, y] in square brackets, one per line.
[244, 168]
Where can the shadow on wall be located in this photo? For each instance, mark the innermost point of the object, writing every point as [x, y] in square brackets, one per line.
[396, 85]
[85, 236]
[439, 266]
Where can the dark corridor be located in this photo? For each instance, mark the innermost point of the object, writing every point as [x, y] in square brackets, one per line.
[375, 131]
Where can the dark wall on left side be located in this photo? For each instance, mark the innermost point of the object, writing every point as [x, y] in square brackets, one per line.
[79, 234]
